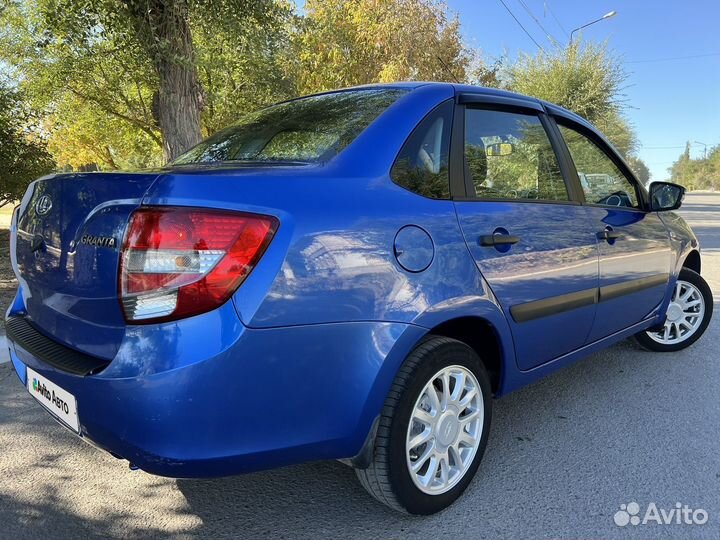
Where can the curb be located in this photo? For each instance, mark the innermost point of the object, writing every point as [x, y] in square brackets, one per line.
[4, 353]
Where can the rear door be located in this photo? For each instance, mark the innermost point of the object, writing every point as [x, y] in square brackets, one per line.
[530, 238]
[635, 254]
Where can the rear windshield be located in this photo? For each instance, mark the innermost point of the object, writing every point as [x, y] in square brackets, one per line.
[306, 130]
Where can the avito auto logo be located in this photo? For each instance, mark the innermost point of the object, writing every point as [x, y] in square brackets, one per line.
[50, 395]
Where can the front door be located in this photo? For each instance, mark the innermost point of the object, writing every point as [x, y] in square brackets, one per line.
[635, 254]
[534, 245]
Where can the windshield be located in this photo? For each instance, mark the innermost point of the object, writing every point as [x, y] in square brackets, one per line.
[310, 129]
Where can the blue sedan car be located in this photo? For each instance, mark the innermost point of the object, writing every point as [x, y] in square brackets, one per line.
[352, 275]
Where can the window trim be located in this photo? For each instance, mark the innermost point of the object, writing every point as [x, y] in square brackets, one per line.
[500, 101]
[598, 140]
[517, 106]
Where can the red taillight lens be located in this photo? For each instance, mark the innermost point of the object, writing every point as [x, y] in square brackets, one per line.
[178, 262]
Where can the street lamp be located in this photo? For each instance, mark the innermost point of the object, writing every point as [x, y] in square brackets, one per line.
[705, 150]
[606, 16]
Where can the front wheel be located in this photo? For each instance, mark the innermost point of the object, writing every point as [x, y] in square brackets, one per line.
[433, 429]
[687, 318]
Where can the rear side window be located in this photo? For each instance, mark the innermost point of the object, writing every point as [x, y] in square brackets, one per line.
[508, 155]
[422, 164]
[601, 180]
[307, 130]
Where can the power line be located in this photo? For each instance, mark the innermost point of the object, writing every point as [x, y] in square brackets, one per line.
[671, 147]
[547, 6]
[521, 25]
[551, 39]
[661, 147]
[673, 58]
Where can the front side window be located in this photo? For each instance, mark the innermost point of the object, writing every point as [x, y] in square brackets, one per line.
[422, 164]
[508, 155]
[306, 130]
[601, 180]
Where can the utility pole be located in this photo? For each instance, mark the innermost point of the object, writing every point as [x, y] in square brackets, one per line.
[705, 164]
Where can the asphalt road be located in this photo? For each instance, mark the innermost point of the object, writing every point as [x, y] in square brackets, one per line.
[622, 426]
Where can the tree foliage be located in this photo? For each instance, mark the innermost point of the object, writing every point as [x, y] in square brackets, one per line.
[96, 68]
[641, 170]
[584, 78]
[350, 42]
[23, 156]
[699, 173]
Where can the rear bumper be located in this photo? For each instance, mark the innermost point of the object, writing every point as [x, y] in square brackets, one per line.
[184, 400]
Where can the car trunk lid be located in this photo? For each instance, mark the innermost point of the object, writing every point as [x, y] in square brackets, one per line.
[69, 234]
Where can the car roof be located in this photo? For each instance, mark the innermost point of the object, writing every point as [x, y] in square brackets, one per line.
[462, 89]
[458, 88]
[482, 91]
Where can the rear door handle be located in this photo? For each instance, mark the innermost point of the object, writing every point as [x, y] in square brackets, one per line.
[609, 235]
[490, 240]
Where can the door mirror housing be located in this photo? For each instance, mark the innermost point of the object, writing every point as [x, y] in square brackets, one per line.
[665, 196]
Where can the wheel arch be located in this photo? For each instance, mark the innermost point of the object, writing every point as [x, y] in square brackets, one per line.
[477, 321]
[479, 334]
[692, 261]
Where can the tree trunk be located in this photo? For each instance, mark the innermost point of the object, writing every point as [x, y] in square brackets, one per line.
[163, 29]
[178, 108]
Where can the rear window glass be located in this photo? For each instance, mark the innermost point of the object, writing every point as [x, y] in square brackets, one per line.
[306, 130]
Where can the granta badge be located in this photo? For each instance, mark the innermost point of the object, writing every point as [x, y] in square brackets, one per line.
[98, 241]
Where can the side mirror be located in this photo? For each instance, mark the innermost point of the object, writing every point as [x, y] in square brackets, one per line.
[499, 149]
[665, 196]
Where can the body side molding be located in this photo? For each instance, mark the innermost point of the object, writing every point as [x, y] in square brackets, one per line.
[566, 302]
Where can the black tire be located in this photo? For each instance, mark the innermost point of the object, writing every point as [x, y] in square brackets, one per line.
[388, 478]
[689, 276]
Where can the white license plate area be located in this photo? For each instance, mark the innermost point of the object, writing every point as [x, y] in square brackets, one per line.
[58, 401]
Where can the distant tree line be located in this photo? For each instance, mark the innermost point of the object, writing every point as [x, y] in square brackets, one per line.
[698, 173]
[122, 84]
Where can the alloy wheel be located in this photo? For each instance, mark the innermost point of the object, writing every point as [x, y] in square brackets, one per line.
[445, 430]
[684, 315]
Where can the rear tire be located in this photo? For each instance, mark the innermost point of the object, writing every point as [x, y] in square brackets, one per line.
[688, 315]
[442, 397]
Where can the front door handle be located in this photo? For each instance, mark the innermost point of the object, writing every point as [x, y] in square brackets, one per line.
[491, 240]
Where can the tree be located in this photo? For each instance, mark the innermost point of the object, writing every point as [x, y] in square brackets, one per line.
[23, 156]
[162, 29]
[641, 170]
[137, 61]
[583, 78]
[700, 173]
[350, 42]
[131, 83]
[82, 135]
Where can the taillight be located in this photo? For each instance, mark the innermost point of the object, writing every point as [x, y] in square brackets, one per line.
[178, 262]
